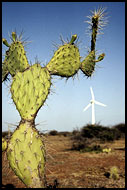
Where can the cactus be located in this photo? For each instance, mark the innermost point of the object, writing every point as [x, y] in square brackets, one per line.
[15, 58]
[96, 23]
[29, 89]
[5, 72]
[114, 173]
[4, 144]
[26, 155]
[106, 150]
[88, 64]
[26, 150]
[66, 60]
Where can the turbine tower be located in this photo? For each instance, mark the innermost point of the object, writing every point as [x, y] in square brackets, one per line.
[92, 102]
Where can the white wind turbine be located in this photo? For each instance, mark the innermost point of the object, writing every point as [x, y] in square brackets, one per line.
[92, 102]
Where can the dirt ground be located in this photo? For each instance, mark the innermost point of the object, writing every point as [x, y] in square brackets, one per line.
[73, 169]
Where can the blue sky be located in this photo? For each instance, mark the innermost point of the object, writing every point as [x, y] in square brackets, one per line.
[43, 23]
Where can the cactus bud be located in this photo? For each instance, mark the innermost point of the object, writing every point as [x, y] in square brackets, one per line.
[5, 42]
[14, 36]
[73, 38]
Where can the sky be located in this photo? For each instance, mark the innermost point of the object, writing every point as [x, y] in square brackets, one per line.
[42, 24]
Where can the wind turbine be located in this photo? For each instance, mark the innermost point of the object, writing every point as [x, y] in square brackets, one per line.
[92, 102]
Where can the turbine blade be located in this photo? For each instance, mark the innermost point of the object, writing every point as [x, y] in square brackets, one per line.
[99, 103]
[92, 94]
[87, 107]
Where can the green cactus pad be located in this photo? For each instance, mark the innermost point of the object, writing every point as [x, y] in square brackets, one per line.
[65, 62]
[30, 90]
[88, 64]
[4, 144]
[15, 58]
[26, 155]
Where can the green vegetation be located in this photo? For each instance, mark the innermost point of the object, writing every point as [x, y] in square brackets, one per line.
[53, 133]
[113, 173]
[87, 137]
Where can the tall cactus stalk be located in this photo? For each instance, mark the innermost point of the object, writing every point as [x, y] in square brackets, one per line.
[29, 89]
[96, 22]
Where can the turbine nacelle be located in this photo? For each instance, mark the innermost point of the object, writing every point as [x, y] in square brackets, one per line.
[92, 101]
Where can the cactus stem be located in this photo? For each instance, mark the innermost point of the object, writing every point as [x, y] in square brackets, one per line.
[97, 22]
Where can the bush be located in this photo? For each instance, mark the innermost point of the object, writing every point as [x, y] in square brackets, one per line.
[120, 127]
[99, 132]
[107, 135]
[119, 130]
[80, 143]
[83, 138]
[64, 133]
[91, 131]
[86, 145]
[53, 132]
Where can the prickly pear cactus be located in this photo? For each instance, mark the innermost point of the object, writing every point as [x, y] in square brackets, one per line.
[30, 89]
[66, 60]
[4, 144]
[15, 58]
[26, 155]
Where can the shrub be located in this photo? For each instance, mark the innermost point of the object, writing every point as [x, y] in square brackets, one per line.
[80, 143]
[99, 132]
[119, 130]
[107, 135]
[120, 127]
[75, 131]
[64, 133]
[53, 132]
[83, 138]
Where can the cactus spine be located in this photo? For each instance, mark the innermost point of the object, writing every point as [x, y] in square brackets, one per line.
[29, 89]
